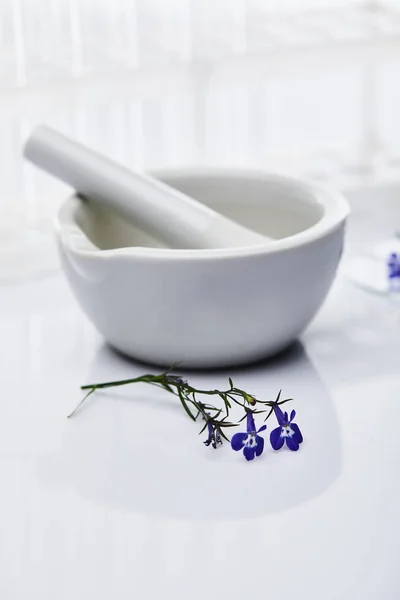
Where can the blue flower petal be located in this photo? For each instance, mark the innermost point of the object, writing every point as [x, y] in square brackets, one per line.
[249, 452]
[238, 440]
[276, 439]
[279, 414]
[262, 428]
[260, 445]
[292, 415]
[251, 426]
[297, 432]
[292, 443]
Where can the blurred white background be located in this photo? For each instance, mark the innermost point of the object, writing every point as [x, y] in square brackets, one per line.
[306, 86]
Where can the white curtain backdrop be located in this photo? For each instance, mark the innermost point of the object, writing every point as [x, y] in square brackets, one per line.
[307, 86]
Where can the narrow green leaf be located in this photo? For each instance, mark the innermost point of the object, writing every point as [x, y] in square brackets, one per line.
[224, 436]
[185, 406]
[269, 414]
[169, 388]
[284, 401]
[202, 429]
[81, 402]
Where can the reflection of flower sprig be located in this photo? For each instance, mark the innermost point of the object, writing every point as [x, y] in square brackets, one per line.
[215, 418]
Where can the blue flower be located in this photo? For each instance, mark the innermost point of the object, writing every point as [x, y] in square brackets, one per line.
[251, 443]
[214, 435]
[393, 264]
[176, 379]
[287, 431]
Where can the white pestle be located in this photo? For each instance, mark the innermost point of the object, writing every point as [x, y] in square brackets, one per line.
[160, 210]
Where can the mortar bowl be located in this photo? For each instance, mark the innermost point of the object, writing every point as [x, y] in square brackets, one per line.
[207, 308]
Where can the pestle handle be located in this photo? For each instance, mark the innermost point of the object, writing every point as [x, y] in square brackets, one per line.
[162, 211]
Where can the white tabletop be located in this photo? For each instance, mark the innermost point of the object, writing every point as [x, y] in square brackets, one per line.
[124, 501]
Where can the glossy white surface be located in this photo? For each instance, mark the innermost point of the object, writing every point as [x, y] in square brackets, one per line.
[124, 500]
[213, 307]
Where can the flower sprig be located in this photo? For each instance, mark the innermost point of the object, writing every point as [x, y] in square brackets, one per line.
[216, 418]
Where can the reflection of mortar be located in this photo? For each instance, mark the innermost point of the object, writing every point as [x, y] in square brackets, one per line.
[142, 455]
[213, 307]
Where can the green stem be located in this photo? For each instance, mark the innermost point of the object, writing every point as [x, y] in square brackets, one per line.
[233, 394]
[142, 379]
[158, 380]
